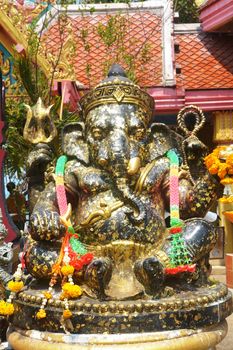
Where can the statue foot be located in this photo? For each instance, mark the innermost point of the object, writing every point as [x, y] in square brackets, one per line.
[150, 273]
[97, 276]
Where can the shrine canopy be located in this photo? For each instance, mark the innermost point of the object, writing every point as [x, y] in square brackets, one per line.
[217, 15]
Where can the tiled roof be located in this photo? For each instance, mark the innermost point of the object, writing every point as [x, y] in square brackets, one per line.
[142, 39]
[205, 61]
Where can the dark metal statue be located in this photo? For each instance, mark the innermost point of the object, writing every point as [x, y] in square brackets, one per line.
[117, 181]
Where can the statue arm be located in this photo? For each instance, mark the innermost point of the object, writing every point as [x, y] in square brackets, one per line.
[195, 199]
[37, 164]
[45, 219]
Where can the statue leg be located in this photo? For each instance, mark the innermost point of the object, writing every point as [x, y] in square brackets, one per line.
[150, 273]
[97, 276]
[203, 270]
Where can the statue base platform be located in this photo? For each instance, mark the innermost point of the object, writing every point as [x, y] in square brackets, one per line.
[191, 319]
[191, 309]
[183, 339]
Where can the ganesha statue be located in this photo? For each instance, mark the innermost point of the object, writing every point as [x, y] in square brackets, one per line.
[97, 224]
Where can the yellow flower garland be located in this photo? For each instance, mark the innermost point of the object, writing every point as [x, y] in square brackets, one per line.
[71, 291]
[6, 309]
[41, 314]
[67, 270]
[15, 286]
[47, 295]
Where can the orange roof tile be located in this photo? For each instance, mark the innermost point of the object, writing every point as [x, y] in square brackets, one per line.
[206, 61]
[142, 39]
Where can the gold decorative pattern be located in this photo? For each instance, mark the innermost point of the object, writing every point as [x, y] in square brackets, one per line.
[34, 130]
[118, 94]
[15, 23]
[223, 127]
[65, 68]
[208, 296]
[117, 91]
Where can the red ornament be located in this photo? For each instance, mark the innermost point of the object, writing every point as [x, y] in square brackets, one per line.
[180, 269]
[174, 230]
[87, 258]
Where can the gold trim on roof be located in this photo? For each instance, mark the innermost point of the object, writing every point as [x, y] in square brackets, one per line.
[14, 23]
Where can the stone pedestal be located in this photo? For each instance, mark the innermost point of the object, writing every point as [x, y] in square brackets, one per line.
[191, 319]
[183, 339]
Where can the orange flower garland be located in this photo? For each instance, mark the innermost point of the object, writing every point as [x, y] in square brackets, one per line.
[220, 162]
[67, 314]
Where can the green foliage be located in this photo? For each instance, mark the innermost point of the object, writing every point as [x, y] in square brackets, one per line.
[15, 115]
[16, 147]
[115, 36]
[32, 78]
[188, 11]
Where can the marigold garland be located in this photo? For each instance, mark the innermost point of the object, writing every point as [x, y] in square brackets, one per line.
[67, 270]
[220, 162]
[15, 286]
[73, 255]
[41, 314]
[71, 291]
[67, 314]
[6, 308]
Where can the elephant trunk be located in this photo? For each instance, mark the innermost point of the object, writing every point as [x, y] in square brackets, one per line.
[135, 161]
[135, 202]
[119, 153]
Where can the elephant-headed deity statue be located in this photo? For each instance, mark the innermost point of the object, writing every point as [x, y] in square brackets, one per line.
[99, 221]
[117, 180]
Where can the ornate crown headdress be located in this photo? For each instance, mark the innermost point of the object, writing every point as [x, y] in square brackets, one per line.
[117, 88]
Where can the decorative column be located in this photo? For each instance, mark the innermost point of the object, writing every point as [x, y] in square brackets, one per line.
[223, 136]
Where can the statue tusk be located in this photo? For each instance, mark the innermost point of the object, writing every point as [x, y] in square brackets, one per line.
[134, 165]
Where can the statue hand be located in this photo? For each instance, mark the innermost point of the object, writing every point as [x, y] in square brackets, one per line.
[46, 225]
[194, 147]
[39, 158]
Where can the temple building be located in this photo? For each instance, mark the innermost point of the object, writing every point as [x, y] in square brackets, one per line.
[179, 64]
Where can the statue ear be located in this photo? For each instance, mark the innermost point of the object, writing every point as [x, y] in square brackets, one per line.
[162, 138]
[73, 127]
[73, 141]
[159, 128]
